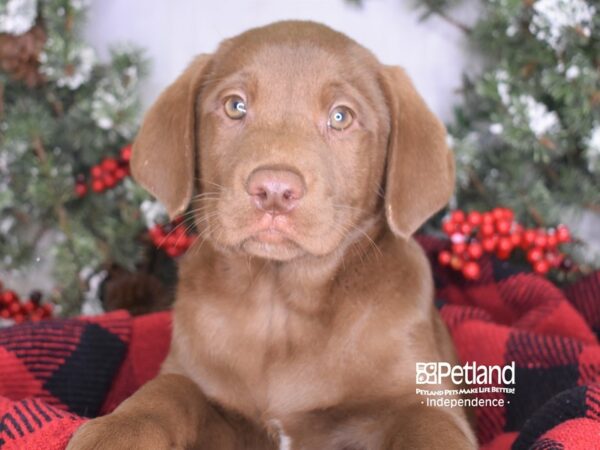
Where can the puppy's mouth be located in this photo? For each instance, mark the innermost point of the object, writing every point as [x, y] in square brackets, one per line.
[272, 236]
[271, 229]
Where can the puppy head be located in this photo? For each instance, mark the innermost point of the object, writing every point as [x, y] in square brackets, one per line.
[293, 137]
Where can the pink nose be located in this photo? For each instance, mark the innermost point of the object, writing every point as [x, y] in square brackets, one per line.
[275, 191]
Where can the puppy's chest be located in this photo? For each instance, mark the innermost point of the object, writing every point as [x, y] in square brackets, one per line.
[266, 361]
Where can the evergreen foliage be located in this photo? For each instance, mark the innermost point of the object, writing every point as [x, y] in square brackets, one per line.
[53, 131]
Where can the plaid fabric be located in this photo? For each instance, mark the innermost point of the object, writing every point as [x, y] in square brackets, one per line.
[551, 335]
[54, 374]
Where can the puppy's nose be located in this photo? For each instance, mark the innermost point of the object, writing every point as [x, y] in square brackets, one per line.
[275, 191]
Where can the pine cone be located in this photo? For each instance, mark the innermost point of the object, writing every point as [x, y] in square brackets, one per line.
[19, 55]
[137, 292]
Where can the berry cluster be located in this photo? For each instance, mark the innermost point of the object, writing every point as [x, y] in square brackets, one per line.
[11, 307]
[105, 175]
[174, 238]
[496, 232]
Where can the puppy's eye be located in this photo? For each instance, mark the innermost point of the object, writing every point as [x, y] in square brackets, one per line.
[235, 107]
[340, 118]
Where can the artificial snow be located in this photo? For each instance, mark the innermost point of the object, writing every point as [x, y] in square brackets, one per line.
[17, 16]
[592, 152]
[552, 17]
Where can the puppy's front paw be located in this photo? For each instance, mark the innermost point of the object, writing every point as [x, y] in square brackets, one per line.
[120, 432]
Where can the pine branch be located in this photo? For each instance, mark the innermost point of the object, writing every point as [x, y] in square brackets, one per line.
[454, 22]
[64, 222]
[1, 100]
[479, 186]
[440, 7]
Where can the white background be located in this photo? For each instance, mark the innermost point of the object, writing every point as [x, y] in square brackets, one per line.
[433, 52]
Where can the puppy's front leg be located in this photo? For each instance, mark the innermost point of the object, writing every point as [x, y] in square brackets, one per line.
[424, 427]
[167, 412]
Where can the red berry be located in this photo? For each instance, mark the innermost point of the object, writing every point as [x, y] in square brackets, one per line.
[96, 171]
[487, 218]
[156, 233]
[19, 318]
[563, 234]
[505, 244]
[14, 308]
[475, 250]
[471, 270]
[457, 216]
[5, 314]
[474, 218]
[29, 307]
[552, 241]
[528, 238]
[171, 240]
[10, 297]
[109, 164]
[516, 238]
[503, 226]
[459, 248]
[80, 189]
[126, 153]
[449, 227]
[466, 228]
[179, 230]
[498, 214]
[502, 254]
[120, 173]
[46, 310]
[535, 254]
[509, 214]
[541, 240]
[489, 244]
[504, 247]
[172, 251]
[541, 267]
[98, 185]
[109, 181]
[487, 229]
[184, 242]
[456, 263]
[444, 257]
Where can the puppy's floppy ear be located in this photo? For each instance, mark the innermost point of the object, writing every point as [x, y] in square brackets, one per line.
[420, 166]
[163, 151]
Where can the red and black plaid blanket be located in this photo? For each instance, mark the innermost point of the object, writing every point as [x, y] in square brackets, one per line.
[55, 374]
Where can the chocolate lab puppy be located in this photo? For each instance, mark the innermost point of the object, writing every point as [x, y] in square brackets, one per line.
[304, 307]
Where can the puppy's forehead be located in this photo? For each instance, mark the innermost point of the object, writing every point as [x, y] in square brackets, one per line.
[294, 50]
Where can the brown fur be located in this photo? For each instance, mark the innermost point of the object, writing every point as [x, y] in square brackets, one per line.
[312, 338]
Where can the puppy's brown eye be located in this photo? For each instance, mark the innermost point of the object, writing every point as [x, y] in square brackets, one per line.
[235, 107]
[340, 118]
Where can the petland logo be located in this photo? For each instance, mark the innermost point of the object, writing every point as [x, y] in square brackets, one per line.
[474, 385]
[470, 373]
